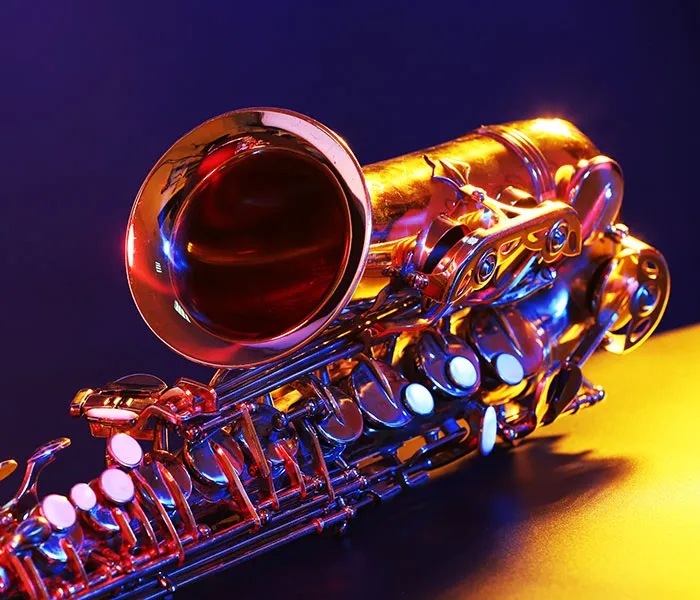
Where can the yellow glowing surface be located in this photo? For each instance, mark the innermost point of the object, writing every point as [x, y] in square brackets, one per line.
[636, 533]
[553, 126]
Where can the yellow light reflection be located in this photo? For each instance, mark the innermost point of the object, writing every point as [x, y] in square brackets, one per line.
[557, 127]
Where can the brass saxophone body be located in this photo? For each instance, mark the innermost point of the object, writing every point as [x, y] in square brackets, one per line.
[367, 326]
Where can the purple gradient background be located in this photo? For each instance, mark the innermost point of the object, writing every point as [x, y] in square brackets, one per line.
[91, 96]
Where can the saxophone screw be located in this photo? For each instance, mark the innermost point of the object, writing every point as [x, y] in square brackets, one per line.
[478, 195]
[617, 232]
[486, 267]
[391, 271]
[558, 236]
[280, 421]
[204, 530]
[166, 583]
[193, 434]
[417, 280]
[549, 273]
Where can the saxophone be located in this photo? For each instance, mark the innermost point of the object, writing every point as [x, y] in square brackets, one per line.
[365, 326]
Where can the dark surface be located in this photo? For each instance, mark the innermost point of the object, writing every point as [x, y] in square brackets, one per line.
[91, 96]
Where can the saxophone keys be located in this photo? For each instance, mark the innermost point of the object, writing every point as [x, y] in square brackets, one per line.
[28, 534]
[509, 368]
[569, 384]
[116, 486]
[488, 428]
[634, 285]
[557, 389]
[117, 405]
[26, 497]
[512, 345]
[594, 188]
[151, 472]
[62, 518]
[83, 497]
[46, 453]
[378, 389]
[462, 372]
[260, 441]
[418, 399]
[202, 461]
[446, 364]
[59, 512]
[124, 451]
[345, 424]
[93, 515]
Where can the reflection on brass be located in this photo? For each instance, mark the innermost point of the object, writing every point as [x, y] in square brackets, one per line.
[367, 326]
[7, 467]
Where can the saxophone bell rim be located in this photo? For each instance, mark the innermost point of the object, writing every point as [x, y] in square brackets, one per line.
[149, 254]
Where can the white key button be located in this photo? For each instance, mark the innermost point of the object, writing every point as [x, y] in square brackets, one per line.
[418, 399]
[462, 372]
[111, 414]
[509, 369]
[59, 512]
[125, 450]
[117, 486]
[487, 434]
[83, 496]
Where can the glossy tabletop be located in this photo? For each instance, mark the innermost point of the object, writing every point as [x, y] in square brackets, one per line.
[601, 504]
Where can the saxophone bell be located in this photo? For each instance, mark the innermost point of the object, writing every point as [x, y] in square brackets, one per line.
[248, 237]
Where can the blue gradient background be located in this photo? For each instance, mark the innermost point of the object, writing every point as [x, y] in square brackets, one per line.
[92, 93]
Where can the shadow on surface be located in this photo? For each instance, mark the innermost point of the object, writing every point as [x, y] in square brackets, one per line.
[427, 540]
